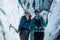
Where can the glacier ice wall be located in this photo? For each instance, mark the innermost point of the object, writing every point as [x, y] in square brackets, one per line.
[53, 28]
[9, 14]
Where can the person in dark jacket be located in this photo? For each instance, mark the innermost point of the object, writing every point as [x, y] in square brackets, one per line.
[24, 26]
[39, 25]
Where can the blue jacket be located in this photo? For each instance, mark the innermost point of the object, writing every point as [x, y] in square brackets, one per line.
[24, 24]
[43, 23]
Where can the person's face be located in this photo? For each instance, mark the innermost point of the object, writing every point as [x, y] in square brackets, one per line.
[36, 14]
[27, 16]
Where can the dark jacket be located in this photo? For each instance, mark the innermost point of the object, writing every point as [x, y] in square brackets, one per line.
[24, 25]
[40, 23]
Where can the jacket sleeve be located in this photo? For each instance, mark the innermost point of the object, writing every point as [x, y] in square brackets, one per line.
[43, 22]
[20, 24]
[33, 23]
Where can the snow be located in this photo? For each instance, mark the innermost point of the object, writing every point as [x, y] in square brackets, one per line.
[53, 26]
[11, 16]
[44, 14]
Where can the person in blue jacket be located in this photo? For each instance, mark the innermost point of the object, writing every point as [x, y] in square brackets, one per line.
[38, 26]
[24, 26]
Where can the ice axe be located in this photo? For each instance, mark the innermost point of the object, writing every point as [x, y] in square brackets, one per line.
[13, 28]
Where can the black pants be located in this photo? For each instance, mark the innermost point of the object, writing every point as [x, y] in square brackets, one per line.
[24, 36]
[38, 35]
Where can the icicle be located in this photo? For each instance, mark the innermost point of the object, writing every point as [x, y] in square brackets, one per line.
[33, 5]
[28, 5]
[2, 30]
[24, 2]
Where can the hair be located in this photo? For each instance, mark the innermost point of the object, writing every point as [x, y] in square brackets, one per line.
[37, 11]
[29, 15]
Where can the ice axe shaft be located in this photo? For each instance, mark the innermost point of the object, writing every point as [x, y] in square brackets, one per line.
[12, 27]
